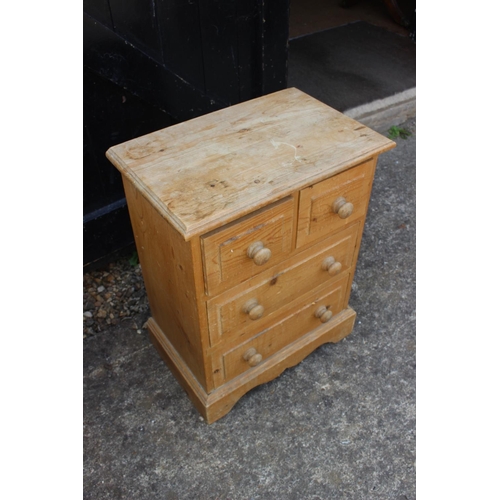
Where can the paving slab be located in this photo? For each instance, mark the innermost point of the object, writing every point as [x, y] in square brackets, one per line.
[339, 425]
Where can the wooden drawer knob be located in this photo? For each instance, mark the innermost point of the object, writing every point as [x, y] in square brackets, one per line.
[259, 253]
[252, 357]
[342, 208]
[323, 314]
[253, 309]
[331, 265]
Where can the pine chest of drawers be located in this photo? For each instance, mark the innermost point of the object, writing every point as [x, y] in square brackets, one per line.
[248, 223]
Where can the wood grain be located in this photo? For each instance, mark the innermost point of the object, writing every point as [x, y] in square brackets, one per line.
[276, 144]
[316, 216]
[226, 261]
[277, 289]
[301, 319]
[169, 276]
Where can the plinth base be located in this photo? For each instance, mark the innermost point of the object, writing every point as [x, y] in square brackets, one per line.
[220, 401]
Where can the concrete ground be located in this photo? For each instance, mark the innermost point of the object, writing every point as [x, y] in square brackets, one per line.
[340, 425]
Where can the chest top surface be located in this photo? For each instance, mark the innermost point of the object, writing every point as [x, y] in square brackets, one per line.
[210, 170]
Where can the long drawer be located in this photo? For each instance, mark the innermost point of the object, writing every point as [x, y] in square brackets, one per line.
[258, 303]
[314, 309]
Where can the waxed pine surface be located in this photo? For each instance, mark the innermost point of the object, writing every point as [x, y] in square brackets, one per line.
[241, 158]
[340, 425]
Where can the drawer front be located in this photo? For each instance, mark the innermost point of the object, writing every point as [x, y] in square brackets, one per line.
[316, 308]
[247, 247]
[347, 192]
[266, 298]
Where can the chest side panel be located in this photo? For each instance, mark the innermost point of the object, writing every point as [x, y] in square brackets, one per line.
[168, 268]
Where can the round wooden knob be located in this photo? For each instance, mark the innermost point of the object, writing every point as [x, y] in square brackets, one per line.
[331, 265]
[252, 357]
[323, 314]
[259, 253]
[253, 309]
[342, 207]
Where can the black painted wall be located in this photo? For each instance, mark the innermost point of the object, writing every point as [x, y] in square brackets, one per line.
[151, 63]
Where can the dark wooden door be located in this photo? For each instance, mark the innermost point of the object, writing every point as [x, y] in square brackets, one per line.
[151, 63]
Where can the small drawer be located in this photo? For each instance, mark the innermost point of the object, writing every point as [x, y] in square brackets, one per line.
[245, 248]
[264, 299]
[334, 203]
[314, 309]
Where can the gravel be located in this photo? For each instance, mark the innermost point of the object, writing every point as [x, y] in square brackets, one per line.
[112, 294]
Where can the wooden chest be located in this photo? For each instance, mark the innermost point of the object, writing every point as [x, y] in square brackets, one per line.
[248, 223]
